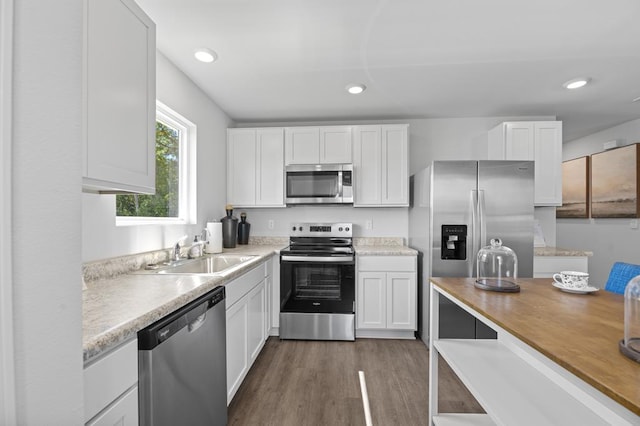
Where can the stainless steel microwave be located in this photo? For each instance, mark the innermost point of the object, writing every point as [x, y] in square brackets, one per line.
[319, 184]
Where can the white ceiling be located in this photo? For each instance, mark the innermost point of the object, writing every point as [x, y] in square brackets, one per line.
[290, 60]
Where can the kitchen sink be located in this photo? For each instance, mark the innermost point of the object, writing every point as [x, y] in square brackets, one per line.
[207, 265]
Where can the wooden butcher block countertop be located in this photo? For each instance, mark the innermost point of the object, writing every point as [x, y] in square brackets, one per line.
[580, 332]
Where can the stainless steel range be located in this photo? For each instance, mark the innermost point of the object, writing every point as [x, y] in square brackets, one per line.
[317, 283]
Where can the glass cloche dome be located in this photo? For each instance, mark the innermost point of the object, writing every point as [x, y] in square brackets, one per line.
[630, 346]
[497, 268]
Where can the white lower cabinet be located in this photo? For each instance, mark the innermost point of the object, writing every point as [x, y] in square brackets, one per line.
[546, 266]
[111, 387]
[256, 329]
[246, 331]
[386, 296]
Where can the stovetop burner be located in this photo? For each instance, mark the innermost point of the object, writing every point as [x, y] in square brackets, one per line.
[320, 238]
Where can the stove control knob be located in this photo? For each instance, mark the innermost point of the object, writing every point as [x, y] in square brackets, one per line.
[346, 229]
[294, 228]
[300, 228]
[340, 229]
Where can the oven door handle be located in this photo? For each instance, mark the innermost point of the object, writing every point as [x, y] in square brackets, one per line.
[318, 259]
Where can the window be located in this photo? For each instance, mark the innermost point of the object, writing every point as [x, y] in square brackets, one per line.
[174, 200]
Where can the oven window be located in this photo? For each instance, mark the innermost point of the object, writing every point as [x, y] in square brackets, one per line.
[312, 184]
[316, 282]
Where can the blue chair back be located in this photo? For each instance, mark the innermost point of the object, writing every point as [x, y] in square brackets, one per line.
[620, 275]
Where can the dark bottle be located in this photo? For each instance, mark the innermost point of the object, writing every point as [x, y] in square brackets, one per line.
[229, 228]
[243, 229]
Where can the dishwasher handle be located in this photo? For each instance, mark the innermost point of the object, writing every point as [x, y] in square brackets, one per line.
[191, 315]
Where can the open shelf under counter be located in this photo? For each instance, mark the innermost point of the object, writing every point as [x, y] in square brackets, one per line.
[462, 419]
[555, 360]
[511, 390]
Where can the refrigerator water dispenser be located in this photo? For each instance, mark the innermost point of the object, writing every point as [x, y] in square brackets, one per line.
[454, 242]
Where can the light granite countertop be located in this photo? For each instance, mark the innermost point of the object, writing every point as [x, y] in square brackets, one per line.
[382, 246]
[115, 308]
[557, 251]
[117, 304]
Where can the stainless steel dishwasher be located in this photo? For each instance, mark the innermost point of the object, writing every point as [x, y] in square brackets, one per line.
[182, 365]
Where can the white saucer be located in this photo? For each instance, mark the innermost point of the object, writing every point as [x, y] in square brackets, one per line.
[585, 290]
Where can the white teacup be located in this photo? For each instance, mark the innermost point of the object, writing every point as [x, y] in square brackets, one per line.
[572, 279]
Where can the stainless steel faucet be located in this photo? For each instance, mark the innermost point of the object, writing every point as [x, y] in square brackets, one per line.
[175, 253]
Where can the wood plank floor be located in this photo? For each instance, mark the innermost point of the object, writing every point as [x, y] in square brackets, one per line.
[316, 383]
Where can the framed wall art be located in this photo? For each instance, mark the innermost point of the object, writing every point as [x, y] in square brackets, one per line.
[615, 182]
[575, 189]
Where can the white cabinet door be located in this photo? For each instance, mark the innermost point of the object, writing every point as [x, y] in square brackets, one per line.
[302, 145]
[241, 167]
[367, 165]
[237, 345]
[519, 141]
[268, 295]
[269, 168]
[255, 167]
[548, 168]
[371, 300]
[119, 98]
[335, 145]
[395, 165]
[539, 141]
[256, 330]
[401, 300]
[381, 166]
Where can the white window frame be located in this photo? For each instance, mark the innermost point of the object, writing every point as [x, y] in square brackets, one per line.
[187, 203]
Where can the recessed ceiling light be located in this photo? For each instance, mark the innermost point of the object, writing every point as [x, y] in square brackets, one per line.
[576, 83]
[356, 89]
[205, 55]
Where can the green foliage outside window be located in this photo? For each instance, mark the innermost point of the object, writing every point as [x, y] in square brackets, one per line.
[165, 202]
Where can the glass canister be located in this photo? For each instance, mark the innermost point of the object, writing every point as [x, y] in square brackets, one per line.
[630, 345]
[497, 268]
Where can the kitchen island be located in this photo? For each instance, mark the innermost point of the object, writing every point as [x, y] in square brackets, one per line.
[555, 361]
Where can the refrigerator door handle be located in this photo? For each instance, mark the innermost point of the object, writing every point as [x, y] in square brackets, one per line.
[474, 232]
[483, 220]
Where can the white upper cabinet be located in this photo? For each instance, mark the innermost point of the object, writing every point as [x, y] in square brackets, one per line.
[255, 167]
[335, 145]
[119, 98]
[381, 165]
[318, 145]
[540, 141]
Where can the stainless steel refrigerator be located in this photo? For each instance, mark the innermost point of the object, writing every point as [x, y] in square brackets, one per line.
[457, 208]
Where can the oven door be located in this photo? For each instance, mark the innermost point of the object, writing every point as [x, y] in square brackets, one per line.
[317, 285]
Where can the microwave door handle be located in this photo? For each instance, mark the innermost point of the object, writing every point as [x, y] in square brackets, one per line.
[339, 195]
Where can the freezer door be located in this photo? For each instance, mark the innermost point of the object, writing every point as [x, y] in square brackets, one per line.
[505, 204]
[453, 191]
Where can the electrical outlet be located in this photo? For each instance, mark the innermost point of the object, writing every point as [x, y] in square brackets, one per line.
[270, 223]
[633, 224]
[369, 224]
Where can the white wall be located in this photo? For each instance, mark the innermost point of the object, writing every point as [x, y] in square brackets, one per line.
[101, 238]
[610, 240]
[47, 290]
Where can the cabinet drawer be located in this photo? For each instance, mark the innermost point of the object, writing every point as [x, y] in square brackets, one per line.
[241, 285]
[387, 263]
[109, 377]
[123, 412]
